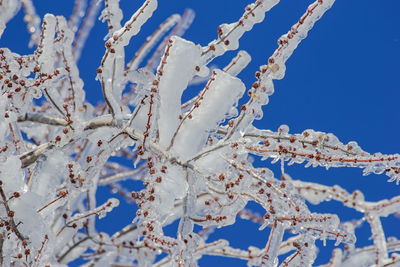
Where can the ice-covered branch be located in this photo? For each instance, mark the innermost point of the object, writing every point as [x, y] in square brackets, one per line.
[321, 149]
[263, 87]
[112, 66]
[229, 34]
[172, 164]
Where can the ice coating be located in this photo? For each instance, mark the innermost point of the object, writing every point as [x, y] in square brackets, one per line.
[152, 40]
[289, 42]
[47, 52]
[182, 59]
[229, 34]
[112, 66]
[238, 63]
[192, 164]
[179, 29]
[84, 30]
[76, 83]
[223, 89]
[33, 21]
[8, 9]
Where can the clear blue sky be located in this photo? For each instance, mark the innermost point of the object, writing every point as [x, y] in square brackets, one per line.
[342, 79]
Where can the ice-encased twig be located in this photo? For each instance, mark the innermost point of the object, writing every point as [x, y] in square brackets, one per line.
[75, 82]
[46, 52]
[151, 41]
[78, 13]
[70, 153]
[181, 58]
[269, 259]
[320, 149]
[8, 9]
[194, 127]
[238, 63]
[229, 34]
[184, 23]
[112, 65]
[99, 211]
[263, 87]
[84, 30]
[33, 21]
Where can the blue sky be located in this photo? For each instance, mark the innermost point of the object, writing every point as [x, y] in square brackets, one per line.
[343, 79]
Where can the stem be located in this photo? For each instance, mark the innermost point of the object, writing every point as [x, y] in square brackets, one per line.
[12, 222]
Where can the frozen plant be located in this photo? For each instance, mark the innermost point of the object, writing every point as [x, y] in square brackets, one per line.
[194, 159]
